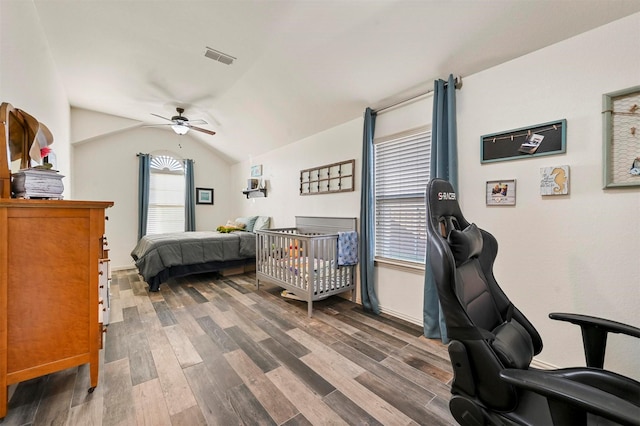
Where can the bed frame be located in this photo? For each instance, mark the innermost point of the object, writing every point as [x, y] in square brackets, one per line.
[304, 260]
[199, 268]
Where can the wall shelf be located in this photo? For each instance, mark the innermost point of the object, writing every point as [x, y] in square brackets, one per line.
[255, 193]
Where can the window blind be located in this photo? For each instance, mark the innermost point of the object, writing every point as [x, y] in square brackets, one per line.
[166, 202]
[401, 177]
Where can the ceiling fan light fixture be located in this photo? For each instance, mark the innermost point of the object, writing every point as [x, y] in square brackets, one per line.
[180, 129]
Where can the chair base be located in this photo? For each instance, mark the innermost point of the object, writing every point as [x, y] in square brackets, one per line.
[467, 412]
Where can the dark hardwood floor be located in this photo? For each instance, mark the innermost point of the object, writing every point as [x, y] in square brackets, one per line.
[212, 350]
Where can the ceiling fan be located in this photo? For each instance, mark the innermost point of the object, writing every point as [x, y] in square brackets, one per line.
[181, 124]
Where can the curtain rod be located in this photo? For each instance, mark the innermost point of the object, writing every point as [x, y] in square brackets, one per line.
[458, 84]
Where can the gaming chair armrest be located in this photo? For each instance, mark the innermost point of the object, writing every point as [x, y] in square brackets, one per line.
[569, 401]
[594, 334]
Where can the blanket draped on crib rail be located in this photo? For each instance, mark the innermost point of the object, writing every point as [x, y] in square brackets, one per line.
[347, 248]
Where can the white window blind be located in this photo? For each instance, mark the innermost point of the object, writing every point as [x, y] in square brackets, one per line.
[401, 177]
[167, 189]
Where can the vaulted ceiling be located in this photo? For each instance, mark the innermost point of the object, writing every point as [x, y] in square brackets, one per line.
[301, 66]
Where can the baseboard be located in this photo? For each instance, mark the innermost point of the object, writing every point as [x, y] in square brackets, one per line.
[123, 268]
[536, 363]
[401, 316]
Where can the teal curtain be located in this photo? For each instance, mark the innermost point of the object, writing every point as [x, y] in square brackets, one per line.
[190, 198]
[444, 164]
[144, 164]
[367, 219]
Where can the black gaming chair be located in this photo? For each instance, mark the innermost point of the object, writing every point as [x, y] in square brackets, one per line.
[492, 343]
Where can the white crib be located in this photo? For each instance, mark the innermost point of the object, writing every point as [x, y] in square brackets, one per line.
[304, 260]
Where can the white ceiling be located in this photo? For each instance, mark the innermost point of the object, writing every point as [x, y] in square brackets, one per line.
[302, 66]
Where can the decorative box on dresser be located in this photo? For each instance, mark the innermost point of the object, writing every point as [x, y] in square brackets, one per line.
[54, 288]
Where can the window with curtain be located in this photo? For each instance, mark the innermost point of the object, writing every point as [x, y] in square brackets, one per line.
[401, 176]
[166, 195]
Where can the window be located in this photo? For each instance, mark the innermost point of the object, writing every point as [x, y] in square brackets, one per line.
[167, 188]
[401, 177]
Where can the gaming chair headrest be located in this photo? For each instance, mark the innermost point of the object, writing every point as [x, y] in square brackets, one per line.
[443, 202]
[465, 244]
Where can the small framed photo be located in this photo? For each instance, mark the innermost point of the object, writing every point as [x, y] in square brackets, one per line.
[501, 192]
[256, 171]
[204, 196]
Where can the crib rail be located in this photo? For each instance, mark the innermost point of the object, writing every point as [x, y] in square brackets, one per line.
[302, 263]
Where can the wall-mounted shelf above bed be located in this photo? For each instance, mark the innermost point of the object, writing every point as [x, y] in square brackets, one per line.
[255, 193]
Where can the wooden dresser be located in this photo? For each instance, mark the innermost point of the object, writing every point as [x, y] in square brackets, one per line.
[52, 264]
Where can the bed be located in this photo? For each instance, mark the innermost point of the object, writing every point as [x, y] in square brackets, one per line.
[312, 261]
[163, 256]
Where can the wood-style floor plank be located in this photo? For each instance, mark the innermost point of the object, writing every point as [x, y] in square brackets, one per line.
[212, 350]
[400, 400]
[56, 402]
[141, 361]
[150, 406]
[308, 402]
[182, 347]
[249, 409]
[213, 403]
[348, 410]
[175, 388]
[117, 406]
[276, 404]
[213, 359]
[377, 407]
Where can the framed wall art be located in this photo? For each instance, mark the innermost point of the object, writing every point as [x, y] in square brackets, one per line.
[256, 171]
[204, 196]
[501, 192]
[330, 178]
[621, 133]
[554, 180]
[525, 142]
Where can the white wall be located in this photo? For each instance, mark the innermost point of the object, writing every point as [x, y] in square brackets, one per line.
[281, 169]
[106, 168]
[29, 80]
[575, 253]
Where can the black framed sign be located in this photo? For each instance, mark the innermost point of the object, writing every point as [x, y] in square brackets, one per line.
[204, 196]
[525, 142]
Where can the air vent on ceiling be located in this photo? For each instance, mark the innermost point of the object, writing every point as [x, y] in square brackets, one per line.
[219, 56]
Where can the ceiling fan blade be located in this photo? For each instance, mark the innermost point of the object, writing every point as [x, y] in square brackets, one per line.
[200, 129]
[198, 121]
[159, 116]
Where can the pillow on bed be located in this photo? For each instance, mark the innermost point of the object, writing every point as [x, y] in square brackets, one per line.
[262, 222]
[231, 226]
[248, 222]
[236, 224]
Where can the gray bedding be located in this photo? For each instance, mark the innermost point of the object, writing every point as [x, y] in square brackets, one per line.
[155, 253]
